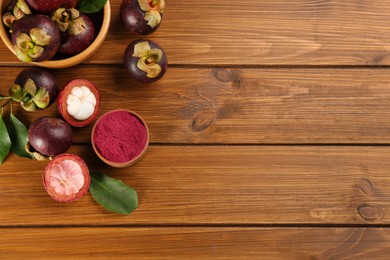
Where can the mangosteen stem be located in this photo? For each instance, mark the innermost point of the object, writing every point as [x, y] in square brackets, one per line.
[10, 105]
[4, 97]
[149, 60]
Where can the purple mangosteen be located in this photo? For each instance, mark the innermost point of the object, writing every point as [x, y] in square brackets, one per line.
[34, 88]
[77, 30]
[50, 136]
[142, 16]
[49, 6]
[145, 61]
[35, 38]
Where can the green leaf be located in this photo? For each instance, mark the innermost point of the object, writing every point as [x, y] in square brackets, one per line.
[18, 133]
[5, 141]
[91, 6]
[113, 194]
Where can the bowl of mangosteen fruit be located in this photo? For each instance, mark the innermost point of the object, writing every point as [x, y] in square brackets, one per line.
[55, 33]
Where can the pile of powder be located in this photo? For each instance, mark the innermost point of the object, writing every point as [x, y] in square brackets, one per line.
[120, 136]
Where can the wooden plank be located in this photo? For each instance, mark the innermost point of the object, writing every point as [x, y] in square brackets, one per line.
[260, 32]
[218, 185]
[195, 243]
[243, 106]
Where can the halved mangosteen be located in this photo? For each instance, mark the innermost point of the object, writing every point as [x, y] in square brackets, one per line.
[66, 178]
[79, 102]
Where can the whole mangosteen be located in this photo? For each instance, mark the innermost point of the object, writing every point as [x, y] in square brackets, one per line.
[142, 16]
[145, 61]
[35, 38]
[77, 30]
[34, 88]
[49, 6]
[50, 136]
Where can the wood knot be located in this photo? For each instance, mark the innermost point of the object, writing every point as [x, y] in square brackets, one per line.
[365, 185]
[203, 119]
[228, 75]
[369, 212]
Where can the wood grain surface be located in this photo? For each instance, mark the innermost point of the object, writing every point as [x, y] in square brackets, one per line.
[195, 243]
[218, 185]
[243, 106]
[261, 32]
[270, 137]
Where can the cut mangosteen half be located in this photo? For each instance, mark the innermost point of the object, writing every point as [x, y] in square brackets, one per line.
[79, 102]
[66, 178]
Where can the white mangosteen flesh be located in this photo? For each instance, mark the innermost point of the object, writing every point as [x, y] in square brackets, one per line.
[81, 103]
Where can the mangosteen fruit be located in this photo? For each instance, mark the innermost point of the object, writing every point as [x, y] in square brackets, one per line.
[50, 136]
[15, 11]
[145, 61]
[142, 16]
[77, 30]
[35, 38]
[49, 6]
[34, 88]
[66, 178]
[79, 102]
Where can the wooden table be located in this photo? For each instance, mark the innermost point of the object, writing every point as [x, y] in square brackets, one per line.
[270, 139]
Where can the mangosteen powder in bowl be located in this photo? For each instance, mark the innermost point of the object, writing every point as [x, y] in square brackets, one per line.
[120, 138]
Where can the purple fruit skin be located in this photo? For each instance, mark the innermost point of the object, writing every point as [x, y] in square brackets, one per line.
[133, 19]
[50, 136]
[28, 22]
[49, 6]
[130, 63]
[41, 78]
[73, 44]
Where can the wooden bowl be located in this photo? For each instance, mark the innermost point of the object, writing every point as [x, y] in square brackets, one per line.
[67, 62]
[120, 164]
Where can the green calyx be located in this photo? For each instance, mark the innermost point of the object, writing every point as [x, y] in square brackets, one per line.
[30, 96]
[19, 10]
[149, 59]
[65, 17]
[153, 10]
[30, 47]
